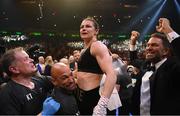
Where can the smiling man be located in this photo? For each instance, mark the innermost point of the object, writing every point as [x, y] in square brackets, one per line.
[157, 91]
[63, 91]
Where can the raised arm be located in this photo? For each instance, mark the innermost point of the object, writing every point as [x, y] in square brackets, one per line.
[173, 37]
[132, 45]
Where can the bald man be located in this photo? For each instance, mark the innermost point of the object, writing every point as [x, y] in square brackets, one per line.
[63, 91]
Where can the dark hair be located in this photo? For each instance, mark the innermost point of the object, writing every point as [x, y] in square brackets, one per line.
[164, 39]
[165, 42]
[96, 25]
[8, 59]
[76, 51]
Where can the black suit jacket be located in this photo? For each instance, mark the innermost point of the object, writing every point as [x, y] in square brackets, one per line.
[164, 86]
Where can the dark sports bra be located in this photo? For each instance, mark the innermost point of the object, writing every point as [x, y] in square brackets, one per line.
[88, 63]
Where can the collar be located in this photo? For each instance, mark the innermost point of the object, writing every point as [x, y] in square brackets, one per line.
[157, 65]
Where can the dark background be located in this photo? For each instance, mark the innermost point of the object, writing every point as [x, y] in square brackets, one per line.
[66, 15]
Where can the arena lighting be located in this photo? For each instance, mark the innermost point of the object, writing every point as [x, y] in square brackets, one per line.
[4, 32]
[18, 33]
[36, 33]
[147, 8]
[122, 36]
[51, 34]
[177, 6]
[152, 21]
[41, 4]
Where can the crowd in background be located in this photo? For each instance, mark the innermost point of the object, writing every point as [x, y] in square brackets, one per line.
[46, 53]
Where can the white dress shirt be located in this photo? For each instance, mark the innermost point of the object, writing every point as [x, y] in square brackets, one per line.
[145, 90]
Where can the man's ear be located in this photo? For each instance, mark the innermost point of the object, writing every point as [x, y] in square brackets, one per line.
[97, 31]
[54, 82]
[13, 69]
[166, 52]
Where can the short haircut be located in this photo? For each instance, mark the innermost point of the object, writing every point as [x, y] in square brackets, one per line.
[164, 39]
[96, 25]
[8, 59]
[76, 51]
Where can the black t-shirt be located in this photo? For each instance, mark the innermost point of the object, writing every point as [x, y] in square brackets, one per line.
[67, 100]
[18, 99]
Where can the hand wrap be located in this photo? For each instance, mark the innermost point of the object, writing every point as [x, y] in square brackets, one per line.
[101, 108]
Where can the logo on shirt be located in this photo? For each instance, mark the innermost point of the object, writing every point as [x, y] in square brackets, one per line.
[29, 97]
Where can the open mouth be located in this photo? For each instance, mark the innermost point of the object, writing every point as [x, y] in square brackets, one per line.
[150, 53]
[83, 33]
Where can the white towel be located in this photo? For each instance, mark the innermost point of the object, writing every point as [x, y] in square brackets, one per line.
[114, 100]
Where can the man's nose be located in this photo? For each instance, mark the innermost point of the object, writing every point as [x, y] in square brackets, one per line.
[71, 79]
[31, 60]
[149, 47]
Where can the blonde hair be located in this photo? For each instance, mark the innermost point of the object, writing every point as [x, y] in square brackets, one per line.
[49, 60]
